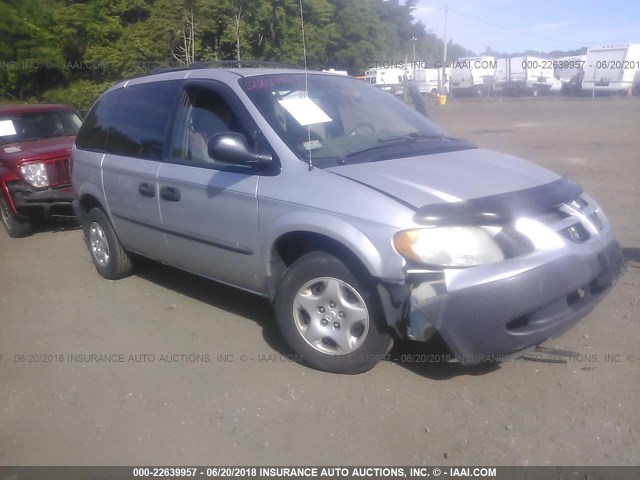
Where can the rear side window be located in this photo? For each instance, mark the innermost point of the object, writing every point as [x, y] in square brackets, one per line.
[131, 121]
[93, 132]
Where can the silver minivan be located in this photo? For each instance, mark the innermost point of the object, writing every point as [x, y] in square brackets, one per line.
[360, 219]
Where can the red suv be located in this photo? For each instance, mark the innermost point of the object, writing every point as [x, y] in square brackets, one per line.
[35, 168]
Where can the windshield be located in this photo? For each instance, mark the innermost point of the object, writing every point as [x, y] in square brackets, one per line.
[28, 126]
[340, 118]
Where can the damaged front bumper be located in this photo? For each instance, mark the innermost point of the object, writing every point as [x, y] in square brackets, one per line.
[488, 312]
[46, 202]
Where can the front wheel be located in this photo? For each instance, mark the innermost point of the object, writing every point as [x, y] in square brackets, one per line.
[15, 225]
[329, 317]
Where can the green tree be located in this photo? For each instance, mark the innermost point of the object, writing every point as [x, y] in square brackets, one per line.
[71, 50]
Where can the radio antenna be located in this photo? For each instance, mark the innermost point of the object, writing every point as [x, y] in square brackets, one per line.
[304, 49]
[306, 81]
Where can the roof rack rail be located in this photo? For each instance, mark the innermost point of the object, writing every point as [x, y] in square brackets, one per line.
[242, 64]
[155, 71]
[217, 64]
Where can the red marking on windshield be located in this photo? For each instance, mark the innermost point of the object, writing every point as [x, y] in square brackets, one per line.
[268, 82]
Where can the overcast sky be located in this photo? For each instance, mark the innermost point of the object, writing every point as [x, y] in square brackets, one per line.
[543, 25]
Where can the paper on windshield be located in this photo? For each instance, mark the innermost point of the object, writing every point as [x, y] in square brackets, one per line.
[304, 111]
[312, 145]
[7, 128]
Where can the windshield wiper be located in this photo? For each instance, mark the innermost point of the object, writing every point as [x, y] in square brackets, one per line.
[412, 137]
[426, 142]
[409, 139]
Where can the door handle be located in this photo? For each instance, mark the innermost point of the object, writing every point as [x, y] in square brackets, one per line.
[170, 194]
[147, 190]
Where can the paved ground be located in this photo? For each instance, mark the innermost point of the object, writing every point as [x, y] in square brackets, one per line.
[196, 408]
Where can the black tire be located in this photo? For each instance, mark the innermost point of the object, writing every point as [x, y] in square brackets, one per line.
[118, 263]
[15, 225]
[374, 342]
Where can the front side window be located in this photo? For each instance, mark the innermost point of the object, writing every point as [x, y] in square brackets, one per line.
[326, 117]
[201, 115]
[30, 126]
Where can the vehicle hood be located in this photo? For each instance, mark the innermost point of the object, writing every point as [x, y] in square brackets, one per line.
[37, 149]
[447, 177]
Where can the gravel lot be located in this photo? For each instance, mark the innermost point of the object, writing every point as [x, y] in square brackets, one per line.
[198, 405]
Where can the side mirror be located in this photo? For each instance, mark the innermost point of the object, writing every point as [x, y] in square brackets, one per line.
[232, 148]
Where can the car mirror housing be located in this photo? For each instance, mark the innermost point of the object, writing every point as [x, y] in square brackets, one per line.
[232, 148]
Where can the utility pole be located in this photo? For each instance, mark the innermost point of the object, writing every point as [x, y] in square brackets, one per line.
[414, 59]
[444, 52]
[414, 51]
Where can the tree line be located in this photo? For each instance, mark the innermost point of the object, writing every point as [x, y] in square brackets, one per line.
[70, 51]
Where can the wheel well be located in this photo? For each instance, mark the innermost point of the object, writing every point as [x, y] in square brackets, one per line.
[87, 202]
[293, 245]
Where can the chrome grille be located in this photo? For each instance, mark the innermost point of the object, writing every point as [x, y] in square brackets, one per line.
[576, 233]
[580, 220]
[577, 220]
[595, 219]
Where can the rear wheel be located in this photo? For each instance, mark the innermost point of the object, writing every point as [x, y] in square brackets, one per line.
[15, 225]
[107, 253]
[329, 317]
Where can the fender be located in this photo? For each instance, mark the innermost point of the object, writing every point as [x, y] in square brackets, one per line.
[8, 175]
[384, 265]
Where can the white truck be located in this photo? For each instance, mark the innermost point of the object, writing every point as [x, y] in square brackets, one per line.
[524, 74]
[473, 75]
[388, 79]
[336, 72]
[569, 72]
[612, 69]
[428, 79]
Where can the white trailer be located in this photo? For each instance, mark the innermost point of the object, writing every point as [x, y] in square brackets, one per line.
[565, 68]
[387, 79]
[524, 74]
[337, 72]
[473, 75]
[569, 72]
[612, 68]
[428, 79]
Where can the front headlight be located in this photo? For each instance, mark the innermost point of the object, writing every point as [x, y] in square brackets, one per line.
[35, 174]
[448, 246]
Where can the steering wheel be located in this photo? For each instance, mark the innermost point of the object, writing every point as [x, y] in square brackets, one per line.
[360, 126]
[60, 132]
